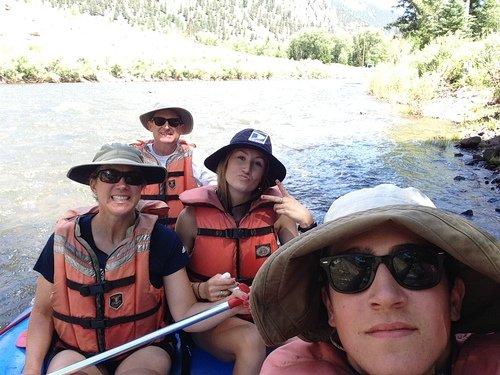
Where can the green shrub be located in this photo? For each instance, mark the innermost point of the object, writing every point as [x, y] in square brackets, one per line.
[116, 71]
[316, 45]
[369, 49]
[27, 71]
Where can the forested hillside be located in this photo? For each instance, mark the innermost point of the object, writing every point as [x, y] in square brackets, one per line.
[250, 20]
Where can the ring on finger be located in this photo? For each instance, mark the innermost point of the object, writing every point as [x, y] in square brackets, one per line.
[221, 293]
[281, 200]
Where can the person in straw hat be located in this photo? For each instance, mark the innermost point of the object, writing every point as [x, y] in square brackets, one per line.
[231, 229]
[400, 279]
[185, 169]
[108, 272]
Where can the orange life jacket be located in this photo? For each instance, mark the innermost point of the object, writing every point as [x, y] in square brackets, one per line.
[179, 178]
[94, 309]
[223, 246]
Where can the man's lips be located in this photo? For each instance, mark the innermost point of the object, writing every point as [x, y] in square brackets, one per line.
[391, 330]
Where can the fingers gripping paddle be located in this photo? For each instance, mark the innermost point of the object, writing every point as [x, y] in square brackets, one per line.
[233, 302]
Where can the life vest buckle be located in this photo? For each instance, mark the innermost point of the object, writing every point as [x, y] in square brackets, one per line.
[98, 323]
[92, 290]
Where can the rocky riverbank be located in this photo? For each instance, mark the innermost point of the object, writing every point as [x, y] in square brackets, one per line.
[475, 119]
[481, 145]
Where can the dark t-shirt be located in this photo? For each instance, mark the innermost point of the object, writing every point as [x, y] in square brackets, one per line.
[166, 253]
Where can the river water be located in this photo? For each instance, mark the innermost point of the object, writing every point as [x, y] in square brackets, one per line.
[331, 135]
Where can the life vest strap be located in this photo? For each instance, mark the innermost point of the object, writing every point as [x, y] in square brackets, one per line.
[160, 197]
[94, 323]
[236, 233]
[99, 288]
[175, 174]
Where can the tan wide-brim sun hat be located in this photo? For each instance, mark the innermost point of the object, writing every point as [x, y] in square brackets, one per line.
[286, 292]
[184, 114]
[118, 154]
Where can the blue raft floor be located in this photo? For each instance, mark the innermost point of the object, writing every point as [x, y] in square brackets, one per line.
[12, 357]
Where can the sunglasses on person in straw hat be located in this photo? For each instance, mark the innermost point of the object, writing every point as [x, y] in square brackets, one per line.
[186, 119]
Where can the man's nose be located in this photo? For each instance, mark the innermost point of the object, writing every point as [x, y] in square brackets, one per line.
[385, 292]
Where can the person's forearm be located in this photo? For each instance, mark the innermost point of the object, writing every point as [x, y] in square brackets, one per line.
[207, 323]
[39, 338]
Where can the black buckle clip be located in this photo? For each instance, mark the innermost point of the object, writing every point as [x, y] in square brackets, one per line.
[98, 324]
[92, 290]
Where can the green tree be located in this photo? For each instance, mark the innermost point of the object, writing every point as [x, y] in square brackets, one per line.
[369, 49]
[341, 49]
[452, 18]
[315, 45]
[485, 17]
[419, 21]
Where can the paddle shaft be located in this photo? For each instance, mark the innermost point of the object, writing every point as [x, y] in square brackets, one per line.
[16, 320]
[149, 337]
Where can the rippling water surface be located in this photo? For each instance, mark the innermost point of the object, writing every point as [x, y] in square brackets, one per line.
[331, 135]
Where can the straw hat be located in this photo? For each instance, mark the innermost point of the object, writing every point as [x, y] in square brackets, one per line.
[184, 114]
[286, 298]
[254, 139]
[118, 154]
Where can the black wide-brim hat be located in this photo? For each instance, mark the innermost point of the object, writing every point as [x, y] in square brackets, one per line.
[254, 139]
[118, 154]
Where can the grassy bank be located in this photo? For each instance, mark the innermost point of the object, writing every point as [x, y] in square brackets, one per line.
[452, 78]
[27, 69]
[43, 44]
[448, 67]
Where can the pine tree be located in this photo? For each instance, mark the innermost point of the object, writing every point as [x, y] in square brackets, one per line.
[485, 17]
[420, 20]
[452, 18]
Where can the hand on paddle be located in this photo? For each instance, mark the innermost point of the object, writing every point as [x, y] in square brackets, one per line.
[289, 206]
[218, 287]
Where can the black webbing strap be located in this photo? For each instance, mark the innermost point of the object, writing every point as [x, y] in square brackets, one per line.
[161, 197]
[175, 174]
[95, 289]
[93, 323]
[235, 233]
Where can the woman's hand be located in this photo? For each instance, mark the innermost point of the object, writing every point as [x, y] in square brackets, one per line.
[244, 295]
[289, 206]
[217, 287]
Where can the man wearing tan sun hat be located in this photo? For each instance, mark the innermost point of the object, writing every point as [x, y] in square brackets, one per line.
[184, 170]
[399, 279]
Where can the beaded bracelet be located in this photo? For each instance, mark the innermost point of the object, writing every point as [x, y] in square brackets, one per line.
[303, 230]
[198, 291]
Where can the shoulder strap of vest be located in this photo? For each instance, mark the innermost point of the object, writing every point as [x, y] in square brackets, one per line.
[140, 144]
[152, 207]
[74, 212]
[186, 145]
[236, 233]
[202, 196]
